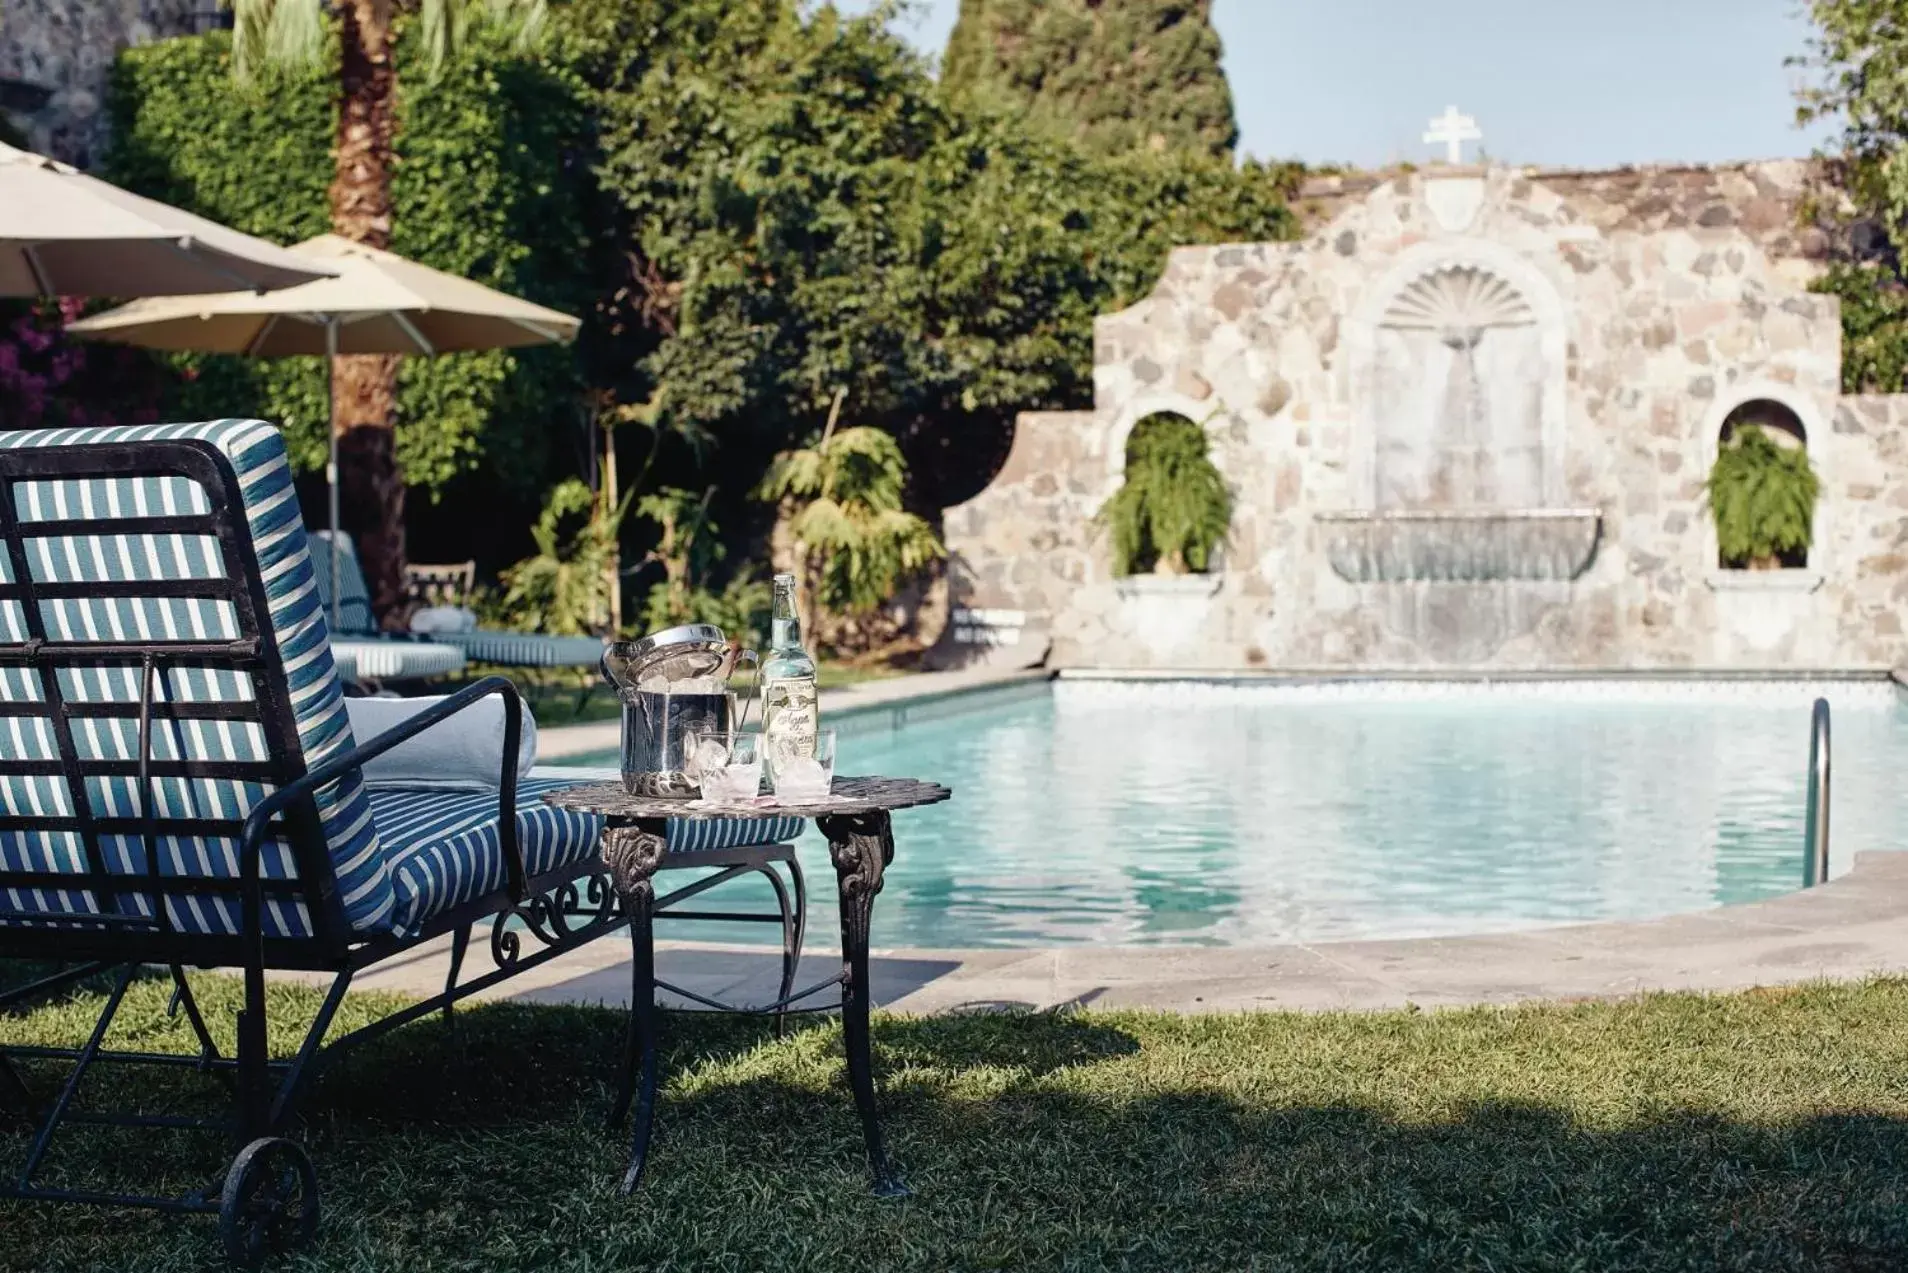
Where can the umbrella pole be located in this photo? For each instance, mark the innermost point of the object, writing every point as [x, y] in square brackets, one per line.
[331, 466]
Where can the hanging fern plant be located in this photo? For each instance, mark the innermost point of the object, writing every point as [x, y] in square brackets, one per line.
[1762, 499]
[1173, 508]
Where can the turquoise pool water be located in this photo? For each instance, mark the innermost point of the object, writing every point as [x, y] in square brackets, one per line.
[1148, 813]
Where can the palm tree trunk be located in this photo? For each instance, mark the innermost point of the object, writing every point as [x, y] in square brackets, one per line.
[364, 388]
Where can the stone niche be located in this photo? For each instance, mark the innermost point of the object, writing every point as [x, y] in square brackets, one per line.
[1467, 419]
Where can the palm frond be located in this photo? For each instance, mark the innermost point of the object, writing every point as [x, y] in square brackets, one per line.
[275, 32]
[796, 473]
[446, 25]
[851, 494]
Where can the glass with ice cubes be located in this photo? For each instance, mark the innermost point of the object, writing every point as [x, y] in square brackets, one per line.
[807, 777]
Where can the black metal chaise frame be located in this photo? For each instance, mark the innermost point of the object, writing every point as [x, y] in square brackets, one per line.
[267, 1198]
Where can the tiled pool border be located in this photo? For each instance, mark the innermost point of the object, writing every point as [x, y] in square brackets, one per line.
[1878, 688]
[1847, 929]
[1850, 688]
[896, 707]
[892, 716]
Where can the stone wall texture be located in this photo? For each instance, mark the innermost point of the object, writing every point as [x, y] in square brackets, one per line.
[56, 57]
[1659, 302]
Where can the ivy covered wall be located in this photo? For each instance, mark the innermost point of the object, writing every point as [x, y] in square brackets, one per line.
[493, 183]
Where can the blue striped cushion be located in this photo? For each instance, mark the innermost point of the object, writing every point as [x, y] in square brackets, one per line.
[444, 849]
[257, 457]
[695, 835]
[525, 649]
[354, 596]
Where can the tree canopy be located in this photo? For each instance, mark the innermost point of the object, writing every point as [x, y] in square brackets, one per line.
[1858, 62]
[1115, 75]
[820, 216]
[755, 206]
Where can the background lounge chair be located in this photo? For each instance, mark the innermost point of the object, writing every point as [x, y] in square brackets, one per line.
[485, 645]
[179, 786]
[364, 655]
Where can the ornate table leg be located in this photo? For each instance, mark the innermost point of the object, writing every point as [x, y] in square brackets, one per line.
[632, 853]
[861, 846]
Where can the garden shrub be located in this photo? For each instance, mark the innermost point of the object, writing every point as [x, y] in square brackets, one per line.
[492, 183]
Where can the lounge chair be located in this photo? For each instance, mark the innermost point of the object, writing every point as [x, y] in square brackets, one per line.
[442, 584]
[365, 656]
[484, 645]
[179, 786]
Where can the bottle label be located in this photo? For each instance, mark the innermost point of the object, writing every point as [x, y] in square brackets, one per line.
[790, 717]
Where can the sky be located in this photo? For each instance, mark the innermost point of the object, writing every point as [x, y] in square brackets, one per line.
[1550, 82]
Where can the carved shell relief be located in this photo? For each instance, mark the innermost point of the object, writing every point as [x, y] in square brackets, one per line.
[1454, 299]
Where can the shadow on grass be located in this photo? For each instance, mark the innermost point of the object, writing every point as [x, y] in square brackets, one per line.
[1070, 1140]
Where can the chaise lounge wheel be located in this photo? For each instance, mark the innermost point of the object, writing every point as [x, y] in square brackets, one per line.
[270, 1202]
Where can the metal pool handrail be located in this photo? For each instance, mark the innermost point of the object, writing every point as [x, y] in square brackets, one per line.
[1815, 846]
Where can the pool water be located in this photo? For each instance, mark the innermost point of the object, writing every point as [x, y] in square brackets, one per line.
[1201, 813]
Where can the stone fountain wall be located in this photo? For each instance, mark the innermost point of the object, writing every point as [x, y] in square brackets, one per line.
[56, 57]
[1669, 312]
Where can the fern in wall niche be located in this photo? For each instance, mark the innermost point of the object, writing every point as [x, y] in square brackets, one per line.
[1174, 507]
[1762, 498]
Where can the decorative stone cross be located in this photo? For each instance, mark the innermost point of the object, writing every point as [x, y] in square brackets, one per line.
[1452, 130]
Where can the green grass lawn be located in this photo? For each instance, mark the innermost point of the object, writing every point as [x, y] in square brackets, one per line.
[1759, 1131]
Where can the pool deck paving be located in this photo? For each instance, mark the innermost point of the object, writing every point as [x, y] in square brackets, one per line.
[1850, 928]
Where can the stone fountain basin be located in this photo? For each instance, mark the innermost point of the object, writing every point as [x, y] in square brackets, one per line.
[1461, 545]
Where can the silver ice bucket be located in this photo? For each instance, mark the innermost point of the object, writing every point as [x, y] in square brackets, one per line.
[660, 731]
[673, 686]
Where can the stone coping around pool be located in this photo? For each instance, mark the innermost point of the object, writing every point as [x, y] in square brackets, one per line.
[838, 706]
[1850, 928]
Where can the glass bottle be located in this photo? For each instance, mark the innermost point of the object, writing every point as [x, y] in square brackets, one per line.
[790, 709]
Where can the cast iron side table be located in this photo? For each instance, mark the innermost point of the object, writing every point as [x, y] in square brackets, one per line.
[854, 817]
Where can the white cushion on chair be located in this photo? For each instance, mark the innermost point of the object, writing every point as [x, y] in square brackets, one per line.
[432, 620]
[464, 753]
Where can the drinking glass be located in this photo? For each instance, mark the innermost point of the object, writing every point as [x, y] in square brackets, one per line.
[705, 753]
[740, 778]
[807, 777]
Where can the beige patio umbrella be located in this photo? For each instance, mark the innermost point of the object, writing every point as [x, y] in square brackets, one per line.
[377, 303]
[63, 233]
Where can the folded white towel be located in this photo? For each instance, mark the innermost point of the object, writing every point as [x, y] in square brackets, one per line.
[464, 753]
[433, 620]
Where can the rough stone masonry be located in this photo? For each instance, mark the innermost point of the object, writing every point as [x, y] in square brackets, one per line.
[56, 57]
[1444, 350]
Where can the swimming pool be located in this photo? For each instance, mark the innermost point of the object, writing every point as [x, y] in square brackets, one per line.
[1235, 813]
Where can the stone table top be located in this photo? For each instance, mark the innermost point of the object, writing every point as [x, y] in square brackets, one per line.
[847, 796]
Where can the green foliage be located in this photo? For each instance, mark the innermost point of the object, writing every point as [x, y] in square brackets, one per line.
[844, 497]
[1173, 508]
[292, 32]
[788, 205]
[1859, 64]
[689, 550]
[740, 608]
[564, 587]
[1762, 499]
[1859, 60]
[1874, 324]
[823, 217]
[1117, 75]
[490, 184]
